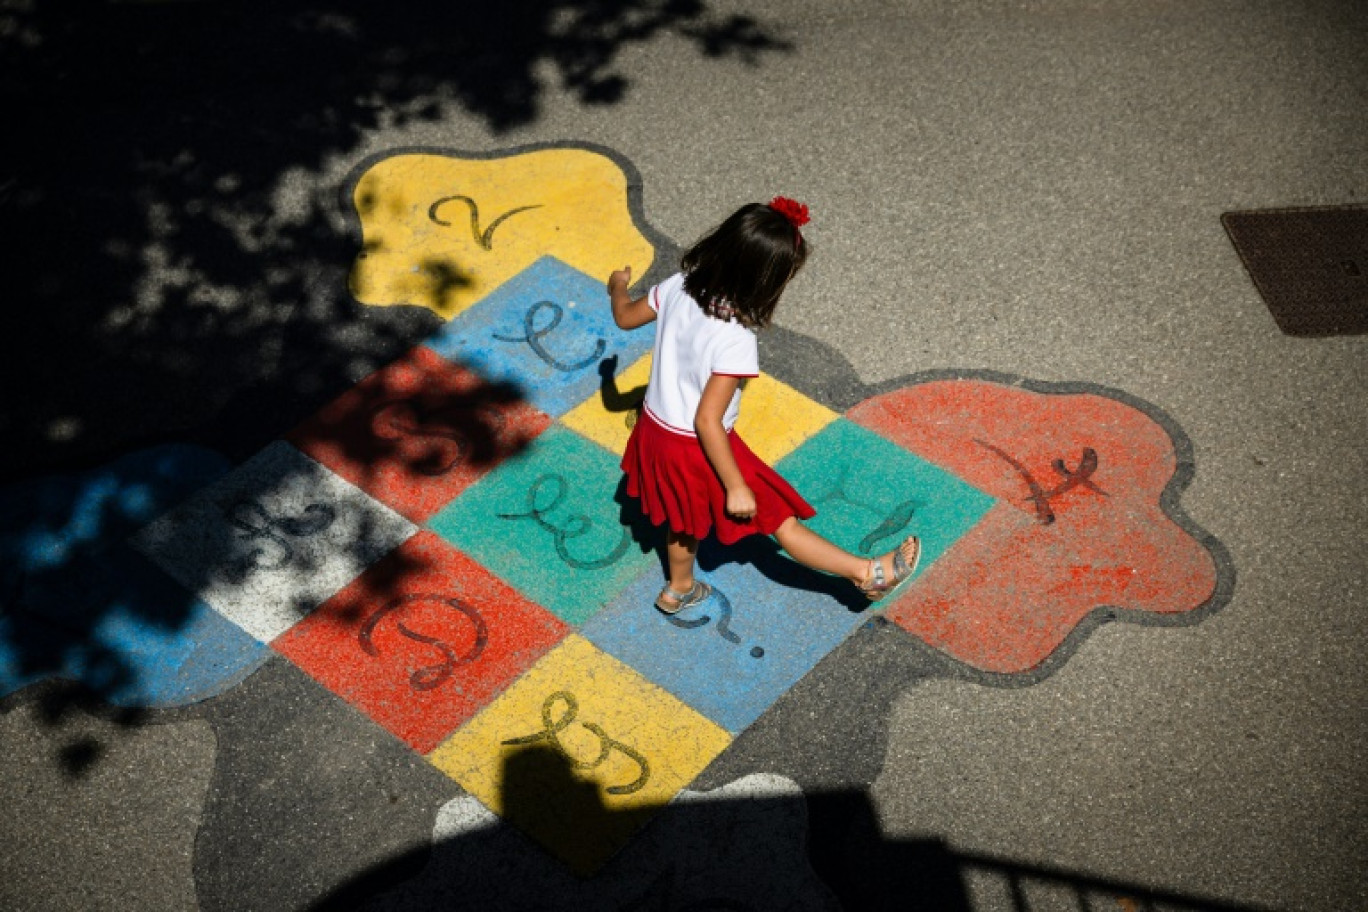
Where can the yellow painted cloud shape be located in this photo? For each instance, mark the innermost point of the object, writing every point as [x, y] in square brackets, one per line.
[442, 232]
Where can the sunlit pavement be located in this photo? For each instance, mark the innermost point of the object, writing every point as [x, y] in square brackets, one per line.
[357, 613]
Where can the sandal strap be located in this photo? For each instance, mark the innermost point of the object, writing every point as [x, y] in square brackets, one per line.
[900, 566]
[878, 583]
[697, 593]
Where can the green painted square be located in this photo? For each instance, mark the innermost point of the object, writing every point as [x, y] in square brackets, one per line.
[547, 521]
[870, 493]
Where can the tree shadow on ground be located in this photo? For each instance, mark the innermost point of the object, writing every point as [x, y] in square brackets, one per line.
[174, 273]
[774, 848]
[177, 269]
[106, 576]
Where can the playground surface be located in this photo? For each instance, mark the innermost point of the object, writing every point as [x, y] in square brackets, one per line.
[321, 588]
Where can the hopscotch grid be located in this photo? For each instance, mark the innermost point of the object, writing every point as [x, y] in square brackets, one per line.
[798, 439]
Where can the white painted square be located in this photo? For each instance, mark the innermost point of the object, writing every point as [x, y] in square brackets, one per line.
[273, 540]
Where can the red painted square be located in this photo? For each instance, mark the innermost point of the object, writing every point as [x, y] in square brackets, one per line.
[422, 640]
[417, 433]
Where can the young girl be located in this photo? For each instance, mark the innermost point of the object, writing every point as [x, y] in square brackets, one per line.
[684, 463]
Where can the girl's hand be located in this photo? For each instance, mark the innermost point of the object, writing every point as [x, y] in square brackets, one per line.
[741, 502]
[627, 314]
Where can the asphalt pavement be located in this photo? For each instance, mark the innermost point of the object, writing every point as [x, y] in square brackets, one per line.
[1017, 251]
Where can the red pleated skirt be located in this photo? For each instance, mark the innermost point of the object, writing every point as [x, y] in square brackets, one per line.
[669, 474]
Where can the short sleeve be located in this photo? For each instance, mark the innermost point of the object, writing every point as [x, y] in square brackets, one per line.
[737, 354]
[661, 294]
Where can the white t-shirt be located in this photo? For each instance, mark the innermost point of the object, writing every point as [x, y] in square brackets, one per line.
[690, 347]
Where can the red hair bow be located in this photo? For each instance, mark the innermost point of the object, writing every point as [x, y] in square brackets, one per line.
[794, 211]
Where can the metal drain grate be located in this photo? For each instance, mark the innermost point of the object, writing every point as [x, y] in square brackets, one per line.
[1310, 266]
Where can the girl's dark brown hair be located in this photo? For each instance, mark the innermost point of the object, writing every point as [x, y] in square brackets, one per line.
[744, 264]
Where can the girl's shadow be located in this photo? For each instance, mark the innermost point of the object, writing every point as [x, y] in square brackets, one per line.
[760, 551]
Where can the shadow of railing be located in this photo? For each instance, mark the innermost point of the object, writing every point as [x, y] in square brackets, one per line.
[758, 844]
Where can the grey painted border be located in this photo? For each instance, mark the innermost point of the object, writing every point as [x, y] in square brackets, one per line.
[819, 371]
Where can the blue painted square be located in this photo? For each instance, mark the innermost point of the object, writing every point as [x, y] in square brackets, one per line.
[84, 605]
[551, 521]
[547, 330]
[196, 656]
[870, 493]
[134, 636]
[768, 622]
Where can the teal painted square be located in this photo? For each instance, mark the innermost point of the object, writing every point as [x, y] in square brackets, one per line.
[549, 522]
[870, 493]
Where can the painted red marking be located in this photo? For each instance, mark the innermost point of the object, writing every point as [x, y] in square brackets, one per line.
[393, 643]
[417, 433]
[1005, 596]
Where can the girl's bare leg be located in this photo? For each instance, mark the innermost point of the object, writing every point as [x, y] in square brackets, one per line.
[680, 552]
[812, 550]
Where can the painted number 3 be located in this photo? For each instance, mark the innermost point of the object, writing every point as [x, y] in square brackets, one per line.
[551, 729]
[429, 676]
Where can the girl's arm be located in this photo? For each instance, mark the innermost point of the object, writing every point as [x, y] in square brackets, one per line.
[717, 394]
[627, 314]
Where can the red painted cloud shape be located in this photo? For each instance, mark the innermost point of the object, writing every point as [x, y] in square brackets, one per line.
[1079, 525]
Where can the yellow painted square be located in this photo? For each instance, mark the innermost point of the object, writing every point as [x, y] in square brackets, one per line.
[608, 420]
[580, 752]
[775, 418]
